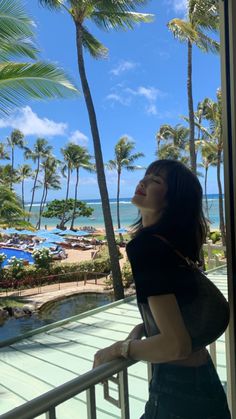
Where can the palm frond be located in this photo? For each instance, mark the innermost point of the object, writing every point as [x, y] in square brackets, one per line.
[119, 20]
[90, 43]
[17, 48]
[182, 30]
[20, 81]
[207, 44]
[121, 5]
[206, 15]
[51, 4]
[111, 165]
[13, 21]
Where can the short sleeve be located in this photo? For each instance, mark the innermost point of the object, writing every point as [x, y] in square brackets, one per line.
[152, 266]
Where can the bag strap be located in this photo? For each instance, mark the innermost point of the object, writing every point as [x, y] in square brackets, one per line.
[189, 261]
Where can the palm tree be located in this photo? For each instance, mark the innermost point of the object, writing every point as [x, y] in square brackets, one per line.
[23, 173]
[176, 140]
[209, 158]
[4, 155]
[212, 112]
[6, 175]
[106, 15]
[82, 159]
[51, 180]
[16, 139]
[20, 81]
[69, 155]
[123, 160]
[11, 211]
[202, 17]
[41, 149]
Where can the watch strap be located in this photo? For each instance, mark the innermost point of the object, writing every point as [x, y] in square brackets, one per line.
[125, 348]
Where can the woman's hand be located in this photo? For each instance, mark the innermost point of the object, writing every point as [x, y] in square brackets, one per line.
[107, 354]
[137, 332]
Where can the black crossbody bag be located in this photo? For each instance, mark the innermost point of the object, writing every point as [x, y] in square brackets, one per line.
[207, 316]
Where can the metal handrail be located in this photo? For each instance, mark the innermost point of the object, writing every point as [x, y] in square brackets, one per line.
[47, 402]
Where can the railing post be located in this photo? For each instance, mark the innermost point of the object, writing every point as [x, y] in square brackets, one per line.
[213, 353]
[51, 413]
[149, 371]
[91, 403]
[228, 368]
[124, 394]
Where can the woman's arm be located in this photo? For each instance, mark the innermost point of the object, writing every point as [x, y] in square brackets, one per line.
[137, 332]
[173, 342]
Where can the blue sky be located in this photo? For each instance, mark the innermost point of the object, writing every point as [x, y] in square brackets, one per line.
[138, 87]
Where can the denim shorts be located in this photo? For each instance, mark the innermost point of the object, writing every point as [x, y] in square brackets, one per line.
[178, 392]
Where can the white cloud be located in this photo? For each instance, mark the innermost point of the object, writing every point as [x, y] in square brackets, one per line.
[179, 6]
[150, 93]
[78, 137]
[30, 123]
[115, 97]
[122, 67]
[125, 96]
[151, 109]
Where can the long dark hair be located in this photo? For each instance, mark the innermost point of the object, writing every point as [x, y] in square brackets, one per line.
[182, 222]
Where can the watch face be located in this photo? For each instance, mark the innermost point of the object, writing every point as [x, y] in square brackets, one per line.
[125, 348]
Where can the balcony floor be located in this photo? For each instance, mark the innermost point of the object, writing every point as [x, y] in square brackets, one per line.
[63, 351]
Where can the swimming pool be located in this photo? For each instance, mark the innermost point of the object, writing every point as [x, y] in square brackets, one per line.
[17, 253]
[53, 312]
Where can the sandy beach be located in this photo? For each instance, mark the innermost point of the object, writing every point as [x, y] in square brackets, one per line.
[77, 255]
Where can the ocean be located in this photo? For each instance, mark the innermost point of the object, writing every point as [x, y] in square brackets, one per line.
[128, 213]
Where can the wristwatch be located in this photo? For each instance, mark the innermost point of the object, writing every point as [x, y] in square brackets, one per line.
[125, 348]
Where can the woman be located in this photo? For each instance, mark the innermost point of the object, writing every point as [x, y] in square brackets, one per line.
[185, 384]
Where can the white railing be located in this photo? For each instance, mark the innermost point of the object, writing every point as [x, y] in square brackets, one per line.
[47, 403]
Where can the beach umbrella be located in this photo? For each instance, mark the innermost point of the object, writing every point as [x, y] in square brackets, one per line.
[56, 231]
[46, 245]
[121, 230]
[11, 231]
[51, 237]
[27, 233]
[69, 233]
[41, 233]
[81, 233]
[55, 239]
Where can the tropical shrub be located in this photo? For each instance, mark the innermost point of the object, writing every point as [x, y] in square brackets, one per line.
[2, 259]
[215, 236]
[16, 268]
[127, 276]
[42, 259]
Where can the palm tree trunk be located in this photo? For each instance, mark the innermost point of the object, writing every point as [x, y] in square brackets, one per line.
[12, 165]
[41, 208]
[118, 205]
[115, 266]
[191, 112]
[118, 200]
[34, 187]
[76, 194]
[67, 195]
[205, 191]
[45, 198]
[221, 209]
[23, 194]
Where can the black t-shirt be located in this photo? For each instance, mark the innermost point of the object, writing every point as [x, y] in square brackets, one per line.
[157, 270]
